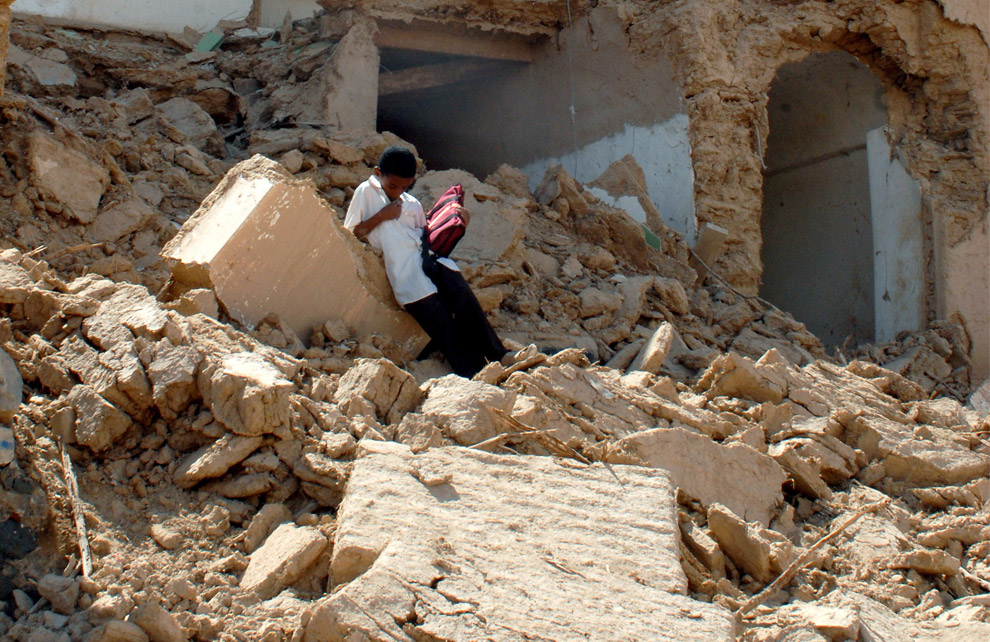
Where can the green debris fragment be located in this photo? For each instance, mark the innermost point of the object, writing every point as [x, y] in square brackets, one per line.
[651, 239]
[209, 42]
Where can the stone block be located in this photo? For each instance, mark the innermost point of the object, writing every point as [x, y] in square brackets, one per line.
[158, 624]
[61, 591]
[282, 559]
[463, 408]
[172, 374]
[66, 175]
[523, 548]
[755, 550]
[266, 243]
[697, 465]
[262, 525]
[393, 391]
[215, 459]
[128, 312]
[120, 220]
[99, 424]
[653, 354]
[246, 393]
[733, 375]
[195, 124]
[122, 631]
[15, 282]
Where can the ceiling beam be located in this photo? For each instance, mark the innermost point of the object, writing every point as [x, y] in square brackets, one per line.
[447, 73]
[455, 40]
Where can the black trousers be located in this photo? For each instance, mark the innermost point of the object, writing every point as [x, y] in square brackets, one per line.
[456, 324]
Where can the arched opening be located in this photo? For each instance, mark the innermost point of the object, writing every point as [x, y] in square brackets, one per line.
[818, 224]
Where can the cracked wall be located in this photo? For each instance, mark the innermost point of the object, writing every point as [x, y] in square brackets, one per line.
[934, 72]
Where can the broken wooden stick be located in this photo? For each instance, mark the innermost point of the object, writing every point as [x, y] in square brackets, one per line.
[72, 486]
[784, 578]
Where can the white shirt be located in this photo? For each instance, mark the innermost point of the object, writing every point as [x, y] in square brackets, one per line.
[400, 240]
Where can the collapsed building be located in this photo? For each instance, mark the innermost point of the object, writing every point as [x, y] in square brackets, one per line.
[747, 242]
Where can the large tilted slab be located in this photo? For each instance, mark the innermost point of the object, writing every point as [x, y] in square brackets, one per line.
[458, 544]
[267, 243]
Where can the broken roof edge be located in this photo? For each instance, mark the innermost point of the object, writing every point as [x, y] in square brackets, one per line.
[519, 17]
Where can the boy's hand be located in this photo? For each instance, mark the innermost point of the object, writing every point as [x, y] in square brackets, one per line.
[391, 211]
[464, 214]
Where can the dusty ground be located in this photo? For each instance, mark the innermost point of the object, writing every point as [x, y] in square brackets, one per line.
[180, 483]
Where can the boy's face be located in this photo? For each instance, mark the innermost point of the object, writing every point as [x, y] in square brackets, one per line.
[394, 186]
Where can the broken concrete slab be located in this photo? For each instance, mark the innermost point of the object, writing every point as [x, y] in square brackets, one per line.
[926, 454]
[215, 459]
[246, 393]
[477, 536]
[67, 176]
[761, 553]
[463, 408]
[266, 243]
[52, 76]
[120, 220]
[193, 122]
[393, 391]
[697, 465]
[653, 354]
[286, 554]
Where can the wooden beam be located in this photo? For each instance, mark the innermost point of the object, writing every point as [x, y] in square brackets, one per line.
[447, 73]
[455, 40]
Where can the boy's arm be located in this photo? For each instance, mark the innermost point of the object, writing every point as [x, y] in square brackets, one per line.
[387, 213]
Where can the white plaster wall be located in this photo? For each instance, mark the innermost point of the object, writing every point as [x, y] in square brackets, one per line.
[171, 16]
[898, 258]
[168, 17]
[664, 153]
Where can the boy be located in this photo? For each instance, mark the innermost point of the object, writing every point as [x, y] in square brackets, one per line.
[383, 214]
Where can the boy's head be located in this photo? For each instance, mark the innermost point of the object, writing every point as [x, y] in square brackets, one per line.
[396, 170]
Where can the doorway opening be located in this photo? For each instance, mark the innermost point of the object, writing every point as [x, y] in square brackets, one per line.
[817, 221]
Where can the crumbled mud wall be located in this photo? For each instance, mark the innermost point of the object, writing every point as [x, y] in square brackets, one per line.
[934, 73]
[4, 38]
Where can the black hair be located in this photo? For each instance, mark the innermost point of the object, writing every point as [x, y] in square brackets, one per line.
[397, 161]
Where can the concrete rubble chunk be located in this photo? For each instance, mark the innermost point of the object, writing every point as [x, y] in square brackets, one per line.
[99, 424]
[122, 631]
[287, 553]
[703, 547]
[655, 352]
[172, 374]
[158, 624]
[61, 591]
[49, 74]
[697, 465]
[67, 176]
[480, 534]
[836, 623]
[15, 283]
[463, 408]
[393, 391]
[128, 312]
[927, 454]
[266, 243]
[195, 124]
[736, 376]
[10, 387]
[120, 220]
[263, 523]
[215, 459]
[246, 393]
[803, 473]
[757, 551]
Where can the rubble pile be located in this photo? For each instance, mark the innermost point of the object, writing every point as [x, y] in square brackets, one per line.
[211, 471]
[657, 450]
